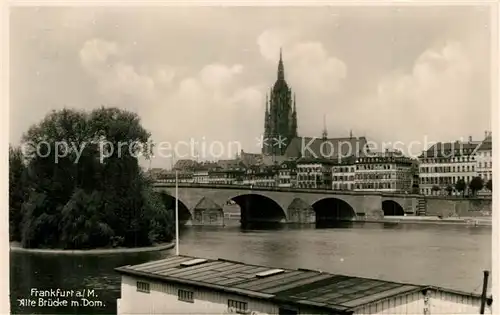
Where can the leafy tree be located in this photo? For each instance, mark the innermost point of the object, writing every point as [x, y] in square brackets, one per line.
[489, 185]
[460, 186]
[476, 184]
[435, 188]
[415, 189]
[84, 186]
[449, 189]
[17, 191]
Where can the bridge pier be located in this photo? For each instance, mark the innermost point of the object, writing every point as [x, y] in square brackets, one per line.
[207, 212]
[368, 207]
[300, 211]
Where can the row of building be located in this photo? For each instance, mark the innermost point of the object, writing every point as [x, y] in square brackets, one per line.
[433, 173]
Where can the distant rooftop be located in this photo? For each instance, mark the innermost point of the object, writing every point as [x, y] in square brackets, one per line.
[338, 293]
[331, 148]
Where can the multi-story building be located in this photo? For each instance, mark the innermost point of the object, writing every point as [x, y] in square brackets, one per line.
[343, 173]
[443, 164]
[415, 179]
[202, 171]
[484, 160]
[383, 171]
[314, 173]
[227, 172]
[170, 176]
[287, 174]
[260, 176]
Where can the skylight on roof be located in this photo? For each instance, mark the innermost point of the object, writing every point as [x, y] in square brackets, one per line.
[193, 262]
[268, 273]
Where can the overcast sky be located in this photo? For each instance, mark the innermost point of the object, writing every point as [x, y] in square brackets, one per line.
[390, 74]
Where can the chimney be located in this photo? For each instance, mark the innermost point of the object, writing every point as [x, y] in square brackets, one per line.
[486, 134]
[470, 139]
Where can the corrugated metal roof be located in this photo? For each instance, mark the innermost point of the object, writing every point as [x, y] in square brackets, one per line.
[301, 287]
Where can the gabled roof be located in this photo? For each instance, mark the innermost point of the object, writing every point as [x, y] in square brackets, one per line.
[250, 158]
[289, 164]
[207, 204]
[331, 148]
[230, 164]
[299, 204]
[486, 145]
[308, 160]
[185, 164]
[449, 149]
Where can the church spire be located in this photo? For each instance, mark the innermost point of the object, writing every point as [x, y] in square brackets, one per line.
[281, 67]
[294, 103]
[324, 135]
[267, 103]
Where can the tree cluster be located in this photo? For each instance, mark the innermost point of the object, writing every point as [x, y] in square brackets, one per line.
[78, 199]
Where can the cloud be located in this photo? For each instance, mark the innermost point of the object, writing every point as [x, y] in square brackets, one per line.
[308, 64]
[208, 106]
[442, 96]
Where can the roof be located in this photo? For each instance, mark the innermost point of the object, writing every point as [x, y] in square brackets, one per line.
[230, 164]
[301, 287]
[315, 147]
[449, 149]
[185, 164]
[207, 204]
[250, 158]
[486, 145]
[308, 160]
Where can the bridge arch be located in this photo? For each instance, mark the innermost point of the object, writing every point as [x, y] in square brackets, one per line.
[330, 210]
[257, 208]
[392, 208]
[169, 202]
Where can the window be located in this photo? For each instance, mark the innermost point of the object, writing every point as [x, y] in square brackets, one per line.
[185, 296]
[143, 287]
[237, 306]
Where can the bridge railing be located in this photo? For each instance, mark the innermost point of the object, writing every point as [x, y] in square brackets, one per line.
[284, 189]
[315, 191]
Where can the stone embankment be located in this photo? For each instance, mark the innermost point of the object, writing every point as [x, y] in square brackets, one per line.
[15, 247]
[466, 221]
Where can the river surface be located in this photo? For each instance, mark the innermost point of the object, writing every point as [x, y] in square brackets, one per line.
[442, 255]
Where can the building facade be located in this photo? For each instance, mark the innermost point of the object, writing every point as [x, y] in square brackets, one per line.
[343, 174]
[287, 174]
[314, 173]
[280, 122]
[484, 160]
[444, 164]
[386, 171]
[261, 176]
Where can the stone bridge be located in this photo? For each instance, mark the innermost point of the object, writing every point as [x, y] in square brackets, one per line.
[203, 204]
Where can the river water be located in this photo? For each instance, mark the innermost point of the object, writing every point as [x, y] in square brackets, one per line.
[443, 255]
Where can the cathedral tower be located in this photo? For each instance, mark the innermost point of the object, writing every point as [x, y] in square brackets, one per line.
[280, 125]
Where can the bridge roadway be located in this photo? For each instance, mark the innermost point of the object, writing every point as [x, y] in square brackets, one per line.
[202, 204]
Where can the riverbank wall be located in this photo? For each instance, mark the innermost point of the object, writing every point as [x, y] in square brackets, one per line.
[442, 207]
[104, 251]
[464, 221]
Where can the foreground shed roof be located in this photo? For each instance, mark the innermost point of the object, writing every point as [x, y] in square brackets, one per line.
[301, 287]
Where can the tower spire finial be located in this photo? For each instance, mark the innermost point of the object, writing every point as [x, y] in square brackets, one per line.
[281, 67]
[294, 103]
[267, 103]
[325, 132]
